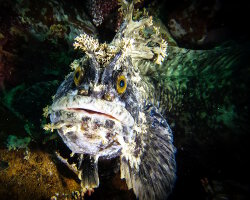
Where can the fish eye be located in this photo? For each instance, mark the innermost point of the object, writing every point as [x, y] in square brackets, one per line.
[78, 75]
[121, 84]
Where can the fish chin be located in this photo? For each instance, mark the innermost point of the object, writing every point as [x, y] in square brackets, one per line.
[85, 129]
[91, 136]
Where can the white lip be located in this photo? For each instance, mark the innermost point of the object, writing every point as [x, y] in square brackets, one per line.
[99, 107]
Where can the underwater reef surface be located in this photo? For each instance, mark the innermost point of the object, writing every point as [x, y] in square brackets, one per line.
[206, 105]
[37, 174]
[32, 175]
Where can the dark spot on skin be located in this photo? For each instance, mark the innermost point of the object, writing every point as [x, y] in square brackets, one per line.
[72, 136]
[70, 115]
[136, 152]
[84, 127]
[125, 130]
[58, 114]
[108, 135]
[97, 126]
[60, 131]
[70, 133]
[85, 119]
[109, 124]
[89, 136]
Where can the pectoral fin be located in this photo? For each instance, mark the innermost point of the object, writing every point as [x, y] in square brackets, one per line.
[89, 172]
[154, 176]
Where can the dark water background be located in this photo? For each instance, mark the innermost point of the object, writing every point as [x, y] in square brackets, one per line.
[212, 152]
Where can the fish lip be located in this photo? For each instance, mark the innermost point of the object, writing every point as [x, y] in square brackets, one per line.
[111, 110]
[92, 112]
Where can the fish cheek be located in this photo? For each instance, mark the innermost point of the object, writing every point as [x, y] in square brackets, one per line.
[72, 136]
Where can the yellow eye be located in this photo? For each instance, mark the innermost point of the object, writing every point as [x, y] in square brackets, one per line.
[121, 84]
[78, 76]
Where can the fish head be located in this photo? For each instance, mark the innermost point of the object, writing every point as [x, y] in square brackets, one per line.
[94, 105]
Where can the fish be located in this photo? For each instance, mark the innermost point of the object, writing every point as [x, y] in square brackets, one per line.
[105, 108]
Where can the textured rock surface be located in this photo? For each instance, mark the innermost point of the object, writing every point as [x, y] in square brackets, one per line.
[203, 24]
[33, 175]
[36, 39]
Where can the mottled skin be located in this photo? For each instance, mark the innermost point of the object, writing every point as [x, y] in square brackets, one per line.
[99, 85]
[144, 145]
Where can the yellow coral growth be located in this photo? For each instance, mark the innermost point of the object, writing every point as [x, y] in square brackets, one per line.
[52, 126]
[86, 43]
[46, 111]
[140, 40]
[124, 5]
[91, 46]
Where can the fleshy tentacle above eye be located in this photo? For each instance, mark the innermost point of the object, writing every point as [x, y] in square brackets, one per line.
[95, 67]
[154, 177]
[109, 69]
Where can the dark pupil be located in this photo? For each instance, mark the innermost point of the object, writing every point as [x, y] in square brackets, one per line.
[122, 83]
[77, 75]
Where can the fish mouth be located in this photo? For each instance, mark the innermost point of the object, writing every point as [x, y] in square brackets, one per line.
[92, 112]
[93, 107]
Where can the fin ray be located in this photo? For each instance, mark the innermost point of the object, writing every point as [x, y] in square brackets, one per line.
[155, 176]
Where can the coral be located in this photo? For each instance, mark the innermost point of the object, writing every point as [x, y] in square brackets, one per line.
[140, 40]
[90, 45]
[148, 41]
[46, 111]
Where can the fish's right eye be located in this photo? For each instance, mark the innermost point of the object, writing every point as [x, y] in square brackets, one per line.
[121, 84]
[78, 75]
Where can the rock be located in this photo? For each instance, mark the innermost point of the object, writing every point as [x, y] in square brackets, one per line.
[33, 177]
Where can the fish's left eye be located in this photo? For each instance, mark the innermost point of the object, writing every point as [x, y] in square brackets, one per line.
[121, 84]
[78, 76]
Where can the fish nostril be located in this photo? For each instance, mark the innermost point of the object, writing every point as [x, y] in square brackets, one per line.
[108, 97]
[83, 92]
